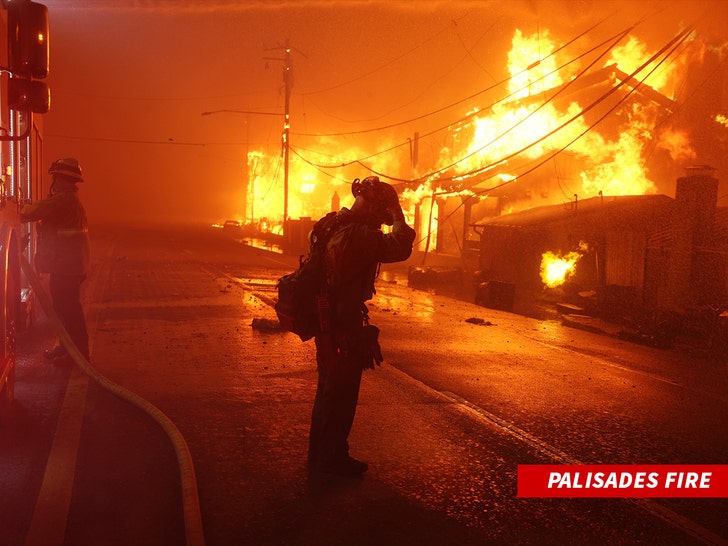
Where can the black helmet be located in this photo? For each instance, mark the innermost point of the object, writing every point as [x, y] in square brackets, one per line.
[379, 194]
[374, 189]
[68, 167]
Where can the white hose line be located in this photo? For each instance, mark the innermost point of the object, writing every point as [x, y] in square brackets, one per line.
[190, 498]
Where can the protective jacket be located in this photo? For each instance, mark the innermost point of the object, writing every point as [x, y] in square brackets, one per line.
[63, 244]
[352, 257]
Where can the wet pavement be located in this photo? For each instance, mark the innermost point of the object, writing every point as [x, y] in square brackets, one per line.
[443, 423]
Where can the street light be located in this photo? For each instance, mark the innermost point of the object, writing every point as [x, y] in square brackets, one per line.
[286, 146]
[243, 112]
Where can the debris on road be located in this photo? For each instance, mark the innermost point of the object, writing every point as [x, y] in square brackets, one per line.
[266, 325]
[479, 321]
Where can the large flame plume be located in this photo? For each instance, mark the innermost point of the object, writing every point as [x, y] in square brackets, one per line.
[520, 129]
[503, 141]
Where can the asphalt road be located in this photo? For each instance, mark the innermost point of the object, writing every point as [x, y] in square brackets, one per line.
[444, 422]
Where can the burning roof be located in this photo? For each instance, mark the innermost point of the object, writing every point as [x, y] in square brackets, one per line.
[608, 119]
[573, 120]
[596, 213]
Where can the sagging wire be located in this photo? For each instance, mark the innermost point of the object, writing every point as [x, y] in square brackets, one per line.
[194, 532]
[501, 83]
[561, 90]
[415, 48]
[676, 43]
[430, 175]
[672, 46]
[680, 38]
[360, 161]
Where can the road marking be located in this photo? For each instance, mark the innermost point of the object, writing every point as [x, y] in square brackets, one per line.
[654, 508]
[670, 517]
[48, 526]
[604, 362]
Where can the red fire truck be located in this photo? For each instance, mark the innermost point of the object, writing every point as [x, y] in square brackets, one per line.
[23, 65]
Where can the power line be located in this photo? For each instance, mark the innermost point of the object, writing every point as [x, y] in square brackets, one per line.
[381, 67]
[168, 142]
[613, 40]
[500, 83]
[680, 38]
[560, 91]
[672, 46]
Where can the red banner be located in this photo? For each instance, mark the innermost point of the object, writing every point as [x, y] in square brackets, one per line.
[623, 481]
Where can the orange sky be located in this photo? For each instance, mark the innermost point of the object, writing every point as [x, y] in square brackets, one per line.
[130, 78]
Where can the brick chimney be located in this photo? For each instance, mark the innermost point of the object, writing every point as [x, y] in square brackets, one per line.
[693, 271]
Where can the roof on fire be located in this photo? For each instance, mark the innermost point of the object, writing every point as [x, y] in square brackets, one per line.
[623, 210]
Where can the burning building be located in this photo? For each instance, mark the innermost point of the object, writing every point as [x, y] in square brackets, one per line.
[568, 182]
[623, 129]
[631, 252]
[579, 158]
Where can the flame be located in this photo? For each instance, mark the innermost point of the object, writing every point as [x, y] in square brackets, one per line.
[633, 54]
[532, 68]
[623, 171]
[309, 192]
[608, 163]
[424, 197]
[556, 269]
[310, 189]
[602, 160]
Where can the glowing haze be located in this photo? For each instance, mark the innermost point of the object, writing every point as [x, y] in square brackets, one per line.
[455, 97]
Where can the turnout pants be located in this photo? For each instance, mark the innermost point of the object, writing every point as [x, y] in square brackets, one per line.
[66, 295]
[339, 378]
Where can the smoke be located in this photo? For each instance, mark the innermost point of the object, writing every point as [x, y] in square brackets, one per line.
[248, 6]
[677, 143]
[129, 75]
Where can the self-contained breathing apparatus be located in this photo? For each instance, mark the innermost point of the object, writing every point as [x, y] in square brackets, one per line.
[304, 306]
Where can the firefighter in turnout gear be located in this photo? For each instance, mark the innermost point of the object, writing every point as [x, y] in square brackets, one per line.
[63, 251]
[352, 255]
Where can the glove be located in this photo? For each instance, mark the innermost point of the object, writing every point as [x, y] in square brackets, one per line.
[390, 202]
[371, 337]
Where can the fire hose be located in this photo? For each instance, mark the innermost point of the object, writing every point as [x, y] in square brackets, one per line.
[190, 498]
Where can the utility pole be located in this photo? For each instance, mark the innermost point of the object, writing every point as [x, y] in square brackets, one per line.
[287, 78]
[286, 142]
[246, 176]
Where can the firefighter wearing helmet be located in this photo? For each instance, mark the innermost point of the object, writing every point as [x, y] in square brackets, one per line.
[63, 251]
[352, 255]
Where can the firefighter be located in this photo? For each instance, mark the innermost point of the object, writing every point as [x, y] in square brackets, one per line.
[63, 251]
[350, 345]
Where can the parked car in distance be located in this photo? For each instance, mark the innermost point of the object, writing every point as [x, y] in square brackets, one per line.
[233, 227]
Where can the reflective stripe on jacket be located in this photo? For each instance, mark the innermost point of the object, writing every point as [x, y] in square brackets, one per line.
[62, 233]
[352, 257]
